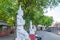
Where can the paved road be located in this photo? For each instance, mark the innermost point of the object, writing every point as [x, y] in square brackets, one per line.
[47, 35]
[10, 37]
[44, 35]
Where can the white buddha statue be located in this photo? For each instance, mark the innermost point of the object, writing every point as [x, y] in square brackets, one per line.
[21, 33]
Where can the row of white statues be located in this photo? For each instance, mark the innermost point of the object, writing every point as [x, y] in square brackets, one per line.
[20, 31]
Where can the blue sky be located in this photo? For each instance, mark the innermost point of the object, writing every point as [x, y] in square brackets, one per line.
[55, 13]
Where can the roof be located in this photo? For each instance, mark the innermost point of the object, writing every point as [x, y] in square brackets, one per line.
[4, 23]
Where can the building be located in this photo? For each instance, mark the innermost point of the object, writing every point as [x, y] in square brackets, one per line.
[55, 28]
[4, 28]
[41, 27]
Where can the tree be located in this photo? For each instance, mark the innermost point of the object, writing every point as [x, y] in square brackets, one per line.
[46, 21]
[33, 10]
[8, 10]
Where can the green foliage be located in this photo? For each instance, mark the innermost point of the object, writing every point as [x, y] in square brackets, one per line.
[8, 9]
[33, 10]
[46, 21]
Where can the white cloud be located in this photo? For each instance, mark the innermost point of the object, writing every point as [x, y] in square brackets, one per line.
[55, 13]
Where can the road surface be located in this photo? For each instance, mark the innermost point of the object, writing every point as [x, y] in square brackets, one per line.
[48, 36]
[9, 37]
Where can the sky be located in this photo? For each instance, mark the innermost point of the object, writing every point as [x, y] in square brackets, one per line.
[55, 13]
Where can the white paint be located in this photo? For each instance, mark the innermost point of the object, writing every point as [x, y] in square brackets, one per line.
[21, 33]
[32, 28]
